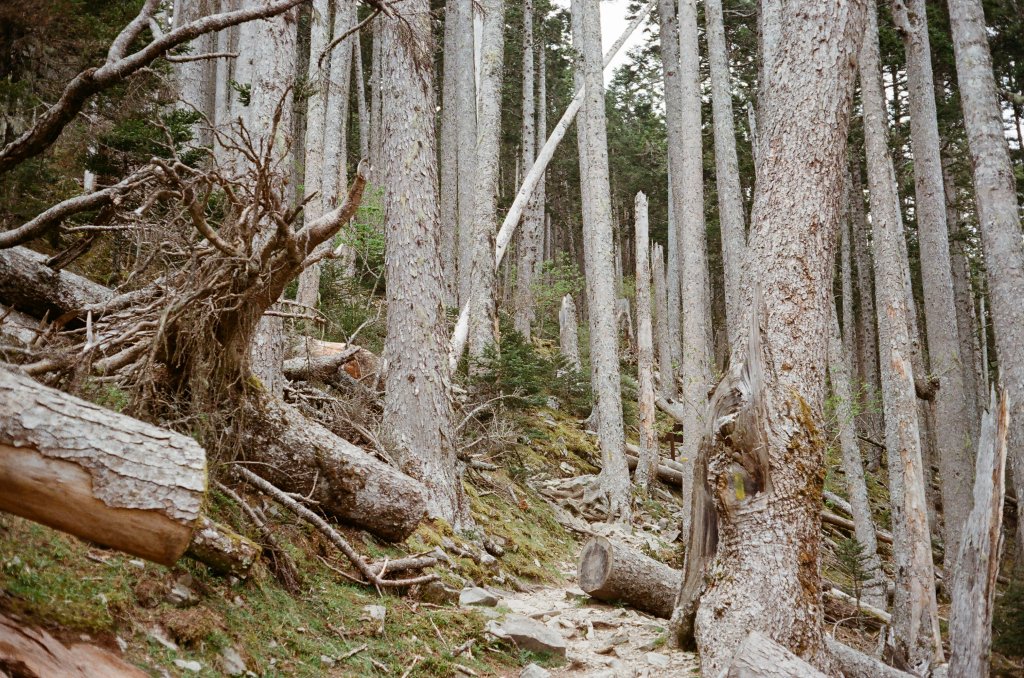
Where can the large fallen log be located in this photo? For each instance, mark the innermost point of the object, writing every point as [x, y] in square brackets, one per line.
[300, 456]
[855, 664]
[315, 359]
[839, 521]
[29, 285]
[97, 474]
[615, 573]
[669, 475]
[758, 656]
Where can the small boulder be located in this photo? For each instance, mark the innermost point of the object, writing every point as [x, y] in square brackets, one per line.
[475, 595]
[534, 671]
[231, 662]
[188, 665]
[657, 660]
[530, 634]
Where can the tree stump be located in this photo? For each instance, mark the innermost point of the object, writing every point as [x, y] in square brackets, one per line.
[615, 573]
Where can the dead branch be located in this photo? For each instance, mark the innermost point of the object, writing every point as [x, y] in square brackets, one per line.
[332, 535]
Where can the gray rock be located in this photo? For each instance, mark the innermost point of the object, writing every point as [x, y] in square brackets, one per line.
[534, 671]
[180, 596]
[231, 662]
[327, 661]
[530, 634]
[657, 659]
[438, 593]
[477, 596]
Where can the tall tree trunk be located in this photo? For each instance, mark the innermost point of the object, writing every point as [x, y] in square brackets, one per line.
[449, 156]
[871, 421]
[530, 233]
[482, 312]
[376, 87]
[727, 173]
[269, 49]
[666, 375]
[672, 277]
[466, 103]
[853, 468]
[647, 467]
[915, 617]
[360, 85]
[599, 265]
[568, 333]
[417, 403]
[999, 220]
[316, 122]
[691, 241]
[195, 78]
[763, 467]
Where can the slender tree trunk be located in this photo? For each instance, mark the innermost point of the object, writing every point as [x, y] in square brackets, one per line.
[952, 422]
[417, 403]
[194, 78]
[647, 467]
[530, 232]
[763, 466]
[872, 419]
[666, 375]
[672, 275]
[915, 617]
[466, 104]
[568, 333]
[696, 365]
[727, 173]
[375, 96]
[853, 468]
[482, 312]
[449, 158]
[360, 85]
[998, 216]
[316, 121]
[597, 249]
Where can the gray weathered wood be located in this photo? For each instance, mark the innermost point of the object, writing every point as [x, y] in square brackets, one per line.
[615, 573]
[759, 656]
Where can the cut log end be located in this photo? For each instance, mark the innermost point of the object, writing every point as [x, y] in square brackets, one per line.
[615, 573]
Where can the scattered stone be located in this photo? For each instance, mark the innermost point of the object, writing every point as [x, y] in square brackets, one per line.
[438, 593]
[160, 636]
[576, 594]
[231, 662]
[327, 661]
[180, 596]
[489, 561]
[529, 634]
[376, 614]
[657, 660]
[534, 671]
[477, 596]
[188, 665]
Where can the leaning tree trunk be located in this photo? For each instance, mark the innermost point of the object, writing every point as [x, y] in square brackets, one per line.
[482, 312]
[417, 404]
[97, 474]
[691, 241]
[758, 483]
[998, 218]
[974, 583]
[615, 573]
[952, 422]
[915, 617]
[727, 173]
[600, 270]
[647, 468]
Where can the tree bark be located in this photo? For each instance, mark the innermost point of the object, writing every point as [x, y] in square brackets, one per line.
[615, 573]
[300, 456]
[974, 581]
[645, 351]
[856, 664]
[759, 656]
[915, 617]
[945, 360]
[29, 285]
[449, 152]
[418, 388]
[727, 173]
[758, 482]
[599, 265]
[222, 549]
[691, 241]
[999, 220]
[96, 474]
[483, 314]
[467, 121]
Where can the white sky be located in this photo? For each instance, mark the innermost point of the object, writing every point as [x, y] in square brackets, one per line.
[613, 22]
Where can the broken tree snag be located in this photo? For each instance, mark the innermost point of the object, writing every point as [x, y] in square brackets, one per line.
[974, 583]
[761, 657]
[222, 549]
[97, 474]
[29, 285]
[301, 456]
[615, 573]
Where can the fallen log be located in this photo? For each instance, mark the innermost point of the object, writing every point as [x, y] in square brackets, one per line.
[16, 328]
[300, 456]
[222, 549]
[839, 521]
[870, 610]
[615, 573]
[670, 464]
[315, 359]
[29, 285]
[758, 656]
[671, 408]
[856, 664]
[28, 652]
[668, 475]
[97, 474]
